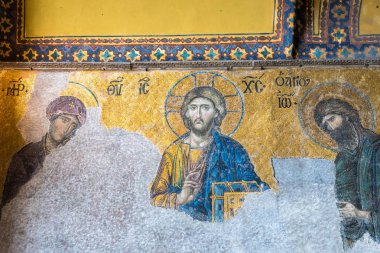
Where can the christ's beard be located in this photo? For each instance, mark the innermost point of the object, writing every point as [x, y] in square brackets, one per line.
[345, 136]
[203, 130]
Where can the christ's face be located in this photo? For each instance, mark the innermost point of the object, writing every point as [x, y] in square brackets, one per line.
[201, 112]
[63, 127]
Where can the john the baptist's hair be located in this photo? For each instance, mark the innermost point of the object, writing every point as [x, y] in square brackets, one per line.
[335, 106]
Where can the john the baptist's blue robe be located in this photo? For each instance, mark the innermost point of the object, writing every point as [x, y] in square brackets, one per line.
[358, 182]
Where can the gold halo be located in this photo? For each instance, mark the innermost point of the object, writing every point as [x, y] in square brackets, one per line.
[81, 92]
[342, 91]
[229, 90]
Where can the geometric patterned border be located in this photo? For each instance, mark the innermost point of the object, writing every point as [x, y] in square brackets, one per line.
[149, 40]
[14, 46]
[355, 37]
[340, 33]
[228, 65]
[293, 38]
[308, 33]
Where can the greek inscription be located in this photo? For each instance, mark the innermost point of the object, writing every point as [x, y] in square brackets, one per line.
[15, 88]
[144, 86]
[291, 81]
[258, 85]
[115, 87]
[285, 100]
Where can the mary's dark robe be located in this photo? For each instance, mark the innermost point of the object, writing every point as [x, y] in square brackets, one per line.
[23, 165]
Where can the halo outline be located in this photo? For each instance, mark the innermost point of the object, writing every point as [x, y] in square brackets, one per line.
[88, 90]
[316, 87]
[240, 95]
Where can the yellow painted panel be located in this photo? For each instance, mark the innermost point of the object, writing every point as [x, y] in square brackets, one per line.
[147, 17]
[369, 22]
[316, 16]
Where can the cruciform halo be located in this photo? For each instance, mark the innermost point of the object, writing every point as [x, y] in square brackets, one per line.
[230, 91]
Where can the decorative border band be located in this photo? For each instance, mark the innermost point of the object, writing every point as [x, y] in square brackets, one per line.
[228, 65]
[355, 36]
[15, 47]
[187, 40]
[341, 39]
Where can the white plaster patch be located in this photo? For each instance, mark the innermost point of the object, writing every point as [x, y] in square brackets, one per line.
[92, 196]
[47, 87]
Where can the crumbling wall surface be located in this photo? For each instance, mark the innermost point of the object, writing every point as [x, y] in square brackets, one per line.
[82, 201]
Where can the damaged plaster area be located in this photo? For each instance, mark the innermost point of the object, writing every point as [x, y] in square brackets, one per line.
[93, 196]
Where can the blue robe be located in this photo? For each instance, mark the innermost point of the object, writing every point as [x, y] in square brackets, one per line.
[358, 182]
[227, 161]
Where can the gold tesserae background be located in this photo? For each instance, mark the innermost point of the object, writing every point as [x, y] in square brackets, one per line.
[266, 131]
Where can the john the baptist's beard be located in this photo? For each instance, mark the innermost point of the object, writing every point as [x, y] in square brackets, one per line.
[345, 136]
